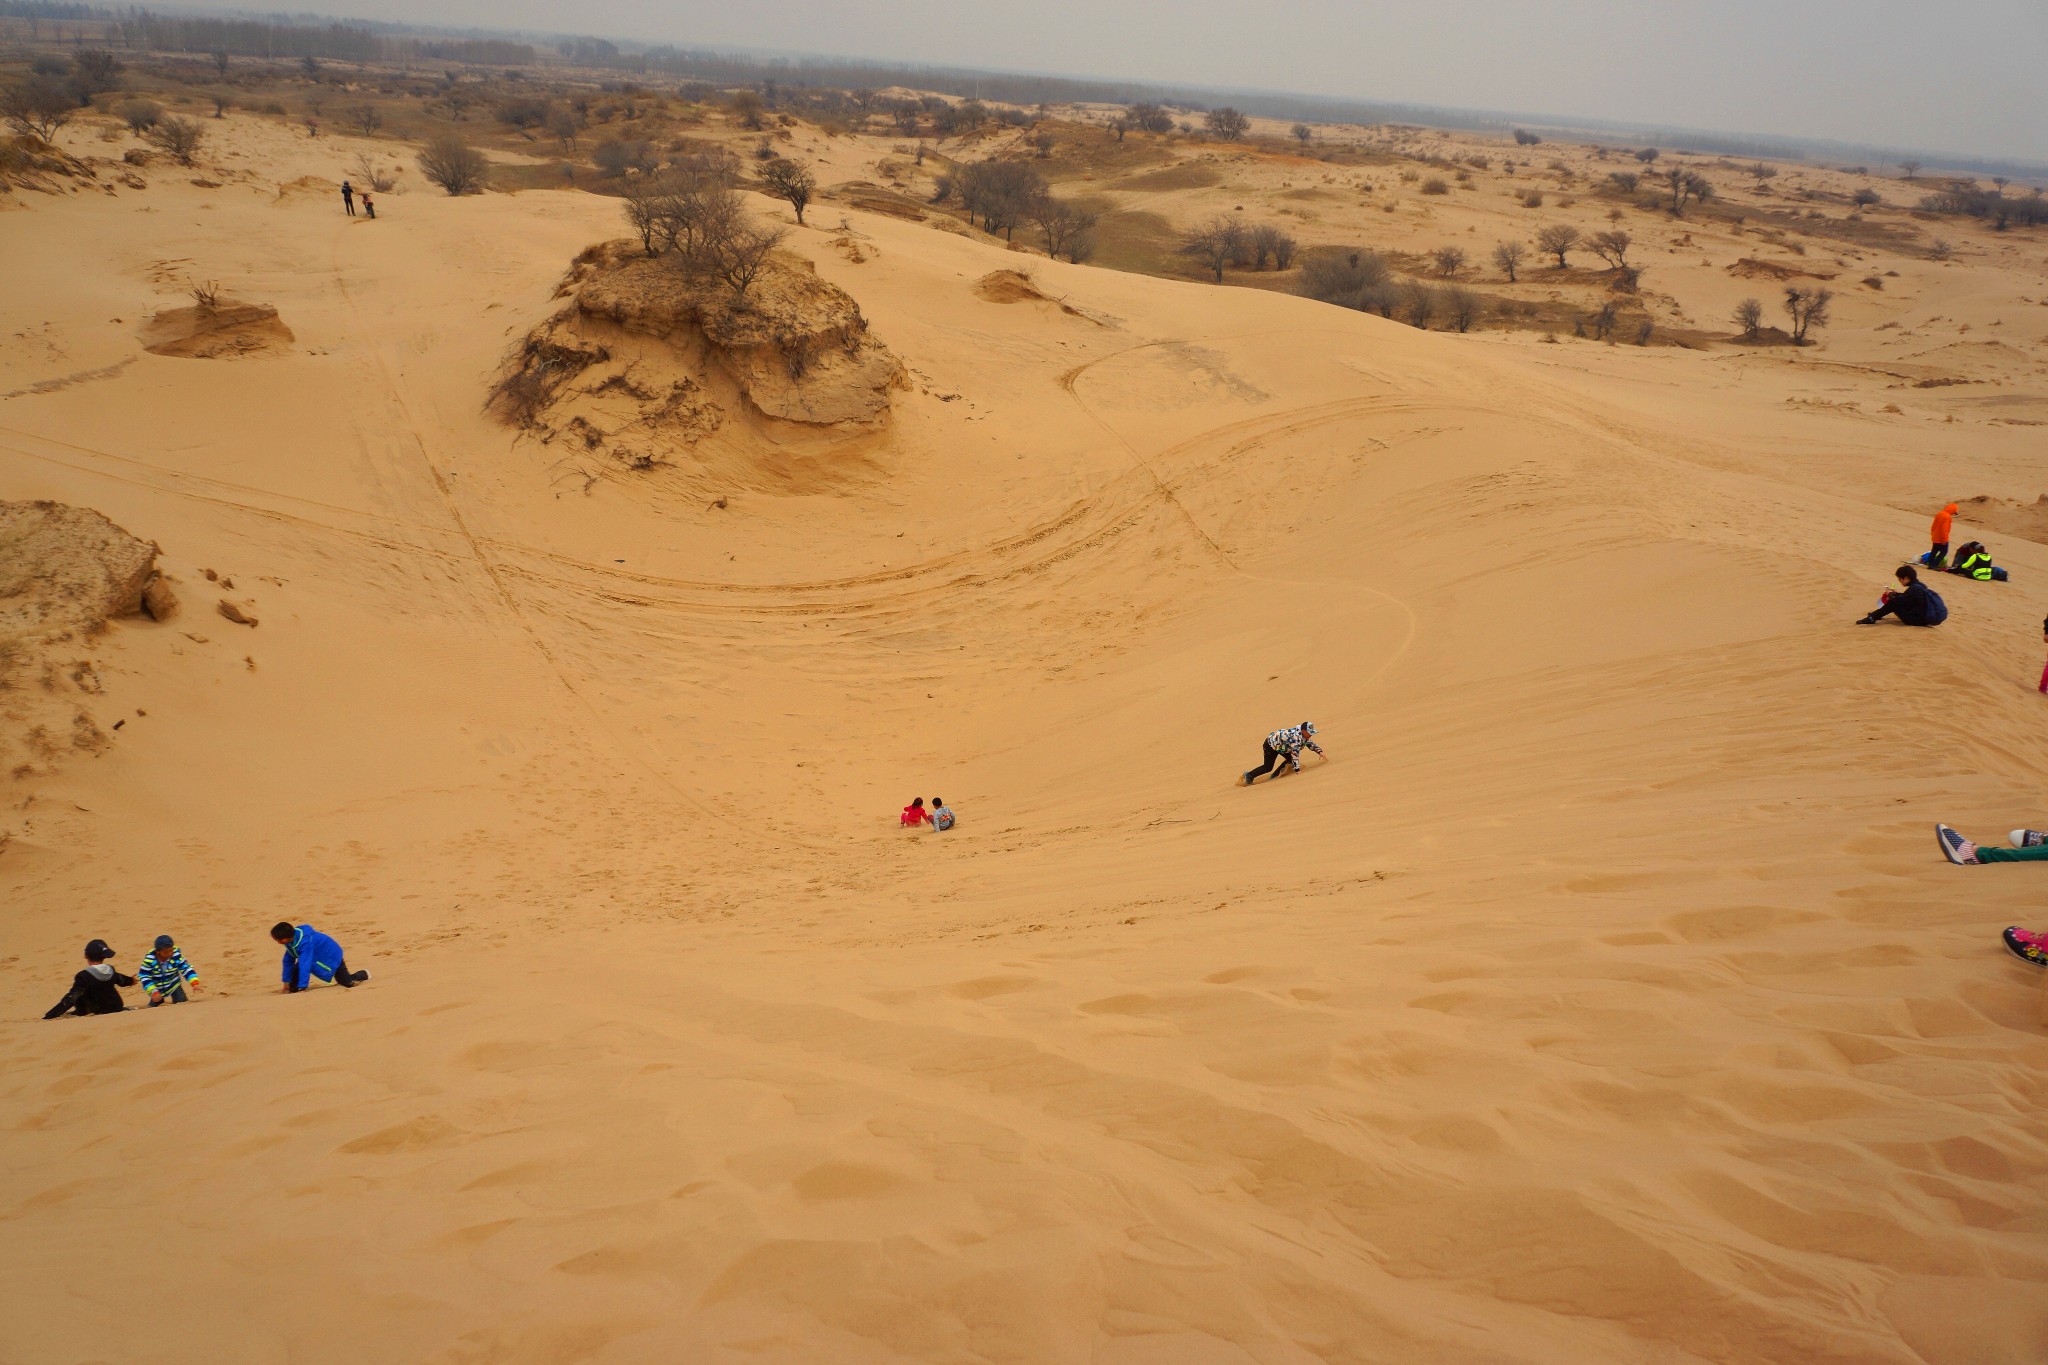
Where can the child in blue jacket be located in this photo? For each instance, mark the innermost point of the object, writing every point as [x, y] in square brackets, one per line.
[308, 954]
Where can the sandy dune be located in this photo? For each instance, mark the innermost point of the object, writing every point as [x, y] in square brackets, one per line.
[1601, 999]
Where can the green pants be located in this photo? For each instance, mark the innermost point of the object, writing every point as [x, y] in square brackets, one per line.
[2036, 854]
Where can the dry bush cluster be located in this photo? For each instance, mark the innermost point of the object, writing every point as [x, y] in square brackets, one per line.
[1006, 195]
[1227, 241]
[690, 212]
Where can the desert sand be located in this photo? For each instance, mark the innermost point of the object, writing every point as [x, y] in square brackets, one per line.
[1602, 998]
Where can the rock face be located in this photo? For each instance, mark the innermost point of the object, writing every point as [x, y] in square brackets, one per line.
[67, 568]
[649, 367]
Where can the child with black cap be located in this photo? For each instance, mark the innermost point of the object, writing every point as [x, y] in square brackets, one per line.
[94, 989]
[164, 973]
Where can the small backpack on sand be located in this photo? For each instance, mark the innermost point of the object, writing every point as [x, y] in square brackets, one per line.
[1937, 610]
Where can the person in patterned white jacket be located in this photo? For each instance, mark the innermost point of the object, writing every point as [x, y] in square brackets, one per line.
[1285, 746]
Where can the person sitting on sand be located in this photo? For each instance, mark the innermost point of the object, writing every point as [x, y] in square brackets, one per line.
[164, 973]
[369, 205]
[95, 989]
[942, 814]
[1914, 604]
[914, 815]
[1945, 518]
[310, 954]
[1285, 745]
[1974, 561]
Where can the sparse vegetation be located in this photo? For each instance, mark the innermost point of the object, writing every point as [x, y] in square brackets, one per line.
[1611, 247]
[791, 181]
[1435, 185]
[1215, 243]
[1557, 240]
[141, 115]
[1508, 257]
[37, 107]
[453, 164]
[1302, 133]
[1749, 316]
[180, 137]
[1449, 260]
[1808, 308]
[1226, 123]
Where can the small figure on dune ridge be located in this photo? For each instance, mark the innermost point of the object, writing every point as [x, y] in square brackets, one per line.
[165, 973]
[310, 955]
[1285, 746]
[348, 198]
[95, 989]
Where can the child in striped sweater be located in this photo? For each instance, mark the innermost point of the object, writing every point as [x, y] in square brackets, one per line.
[165, 973]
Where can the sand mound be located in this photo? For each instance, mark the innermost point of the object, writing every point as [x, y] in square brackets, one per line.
[64, 573]
[646, 365]
[1751, 268]
[2008, 516]
[223, 332]
[67, 568]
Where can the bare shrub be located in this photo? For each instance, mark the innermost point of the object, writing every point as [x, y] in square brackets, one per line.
[791, 181]
[1226, 123]
[178, 136]
[1354, 279]
[1149, 118]
[141, 115]
[1558, 240]
[1611, 247]
[738, 257]
[1462, 307]
[1647, 155]
[37, 107]
[1266, 241]
[1302, 133]
[453, 164]
[365, 119]
[1435, 185]
[367, 172]
[1508, 257]
[746, 107]
[1808, 308]
[206, 296]
[1525, 138]
[1532, 199]
[1068, 229]
[1866, 198]
[1418, 303]
[1449, 260]
[1215, 243]
[1687, 186]
[1624, 181]
[1749, 316]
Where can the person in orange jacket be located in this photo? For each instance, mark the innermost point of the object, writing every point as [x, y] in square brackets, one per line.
[1938, 556]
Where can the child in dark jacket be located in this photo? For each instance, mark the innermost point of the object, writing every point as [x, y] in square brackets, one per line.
[93, 990]
[309, 955]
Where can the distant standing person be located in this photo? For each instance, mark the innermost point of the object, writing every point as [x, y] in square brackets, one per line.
[348, 198]
[95, 989]
[1913, 604]
[1285, 746]
[164, 973]
[1943, 520]
[2044, 667]
[309, 955]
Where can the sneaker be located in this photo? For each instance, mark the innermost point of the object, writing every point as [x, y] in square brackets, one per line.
[1955, 847]
[1251, 777]
[361, 977]
[2026, 946]
[2028, 838]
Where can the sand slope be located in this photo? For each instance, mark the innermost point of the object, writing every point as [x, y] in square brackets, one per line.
[1601, 999]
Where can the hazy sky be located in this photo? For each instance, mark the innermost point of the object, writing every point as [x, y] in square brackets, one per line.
[1960, 75]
